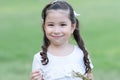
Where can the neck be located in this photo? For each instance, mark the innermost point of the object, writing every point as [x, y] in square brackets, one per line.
[60, 46]
[61, 50]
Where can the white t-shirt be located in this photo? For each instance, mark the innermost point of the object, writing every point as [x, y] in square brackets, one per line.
[61, 67]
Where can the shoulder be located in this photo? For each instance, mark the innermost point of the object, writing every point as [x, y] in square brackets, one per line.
[37, 58]
[37, 55]
[78, 49]
[78, 52]
[82, 55]
[36, 61]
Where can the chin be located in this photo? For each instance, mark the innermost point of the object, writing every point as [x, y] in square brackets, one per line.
[58, 43]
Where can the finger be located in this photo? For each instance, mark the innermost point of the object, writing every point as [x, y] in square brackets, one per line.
[37, 71]
[35, 75]
[90, 76]
[38, 78]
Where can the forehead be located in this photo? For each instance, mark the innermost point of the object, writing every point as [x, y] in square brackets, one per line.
[57, 15]
[58, 10]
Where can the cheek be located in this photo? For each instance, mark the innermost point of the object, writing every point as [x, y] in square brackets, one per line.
[70, 30]
[47, 30]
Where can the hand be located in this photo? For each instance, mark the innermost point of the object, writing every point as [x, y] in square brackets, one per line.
[90, 76]
[36, 75]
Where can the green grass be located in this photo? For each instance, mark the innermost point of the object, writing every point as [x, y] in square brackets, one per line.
[21, 36]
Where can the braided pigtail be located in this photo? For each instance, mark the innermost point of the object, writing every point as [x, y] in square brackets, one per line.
[43, 54]
[80, 43]
[46, 42]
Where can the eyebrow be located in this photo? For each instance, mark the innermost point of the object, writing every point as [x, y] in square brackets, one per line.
[53, 22]
[49, 22]
[63, 22]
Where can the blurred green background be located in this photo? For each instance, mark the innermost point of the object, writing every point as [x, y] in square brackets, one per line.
[21, 36]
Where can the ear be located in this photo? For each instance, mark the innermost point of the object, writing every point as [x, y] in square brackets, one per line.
[73, 26]
[43, 24]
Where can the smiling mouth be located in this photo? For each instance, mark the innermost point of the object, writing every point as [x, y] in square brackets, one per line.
[57, 36]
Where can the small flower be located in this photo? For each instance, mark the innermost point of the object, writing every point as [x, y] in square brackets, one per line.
[76, 14]
[79, 75]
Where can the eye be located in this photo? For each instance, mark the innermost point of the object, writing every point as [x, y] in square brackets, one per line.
[63, 24]
[50, 25]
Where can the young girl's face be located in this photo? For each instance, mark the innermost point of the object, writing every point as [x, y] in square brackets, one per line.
[58, 27]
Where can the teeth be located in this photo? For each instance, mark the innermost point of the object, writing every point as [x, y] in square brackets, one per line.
[57, 35]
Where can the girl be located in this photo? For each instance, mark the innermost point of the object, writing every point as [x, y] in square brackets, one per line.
[59, 58]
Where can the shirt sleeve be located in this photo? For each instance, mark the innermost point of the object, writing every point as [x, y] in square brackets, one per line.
[36, 62]
[91, 64]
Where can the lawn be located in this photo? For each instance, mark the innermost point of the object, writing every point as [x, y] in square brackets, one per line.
[21, 36]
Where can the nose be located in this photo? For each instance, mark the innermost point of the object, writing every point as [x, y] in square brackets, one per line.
[57, 30]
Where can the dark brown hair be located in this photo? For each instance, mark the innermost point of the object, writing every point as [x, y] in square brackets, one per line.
[63, 6]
